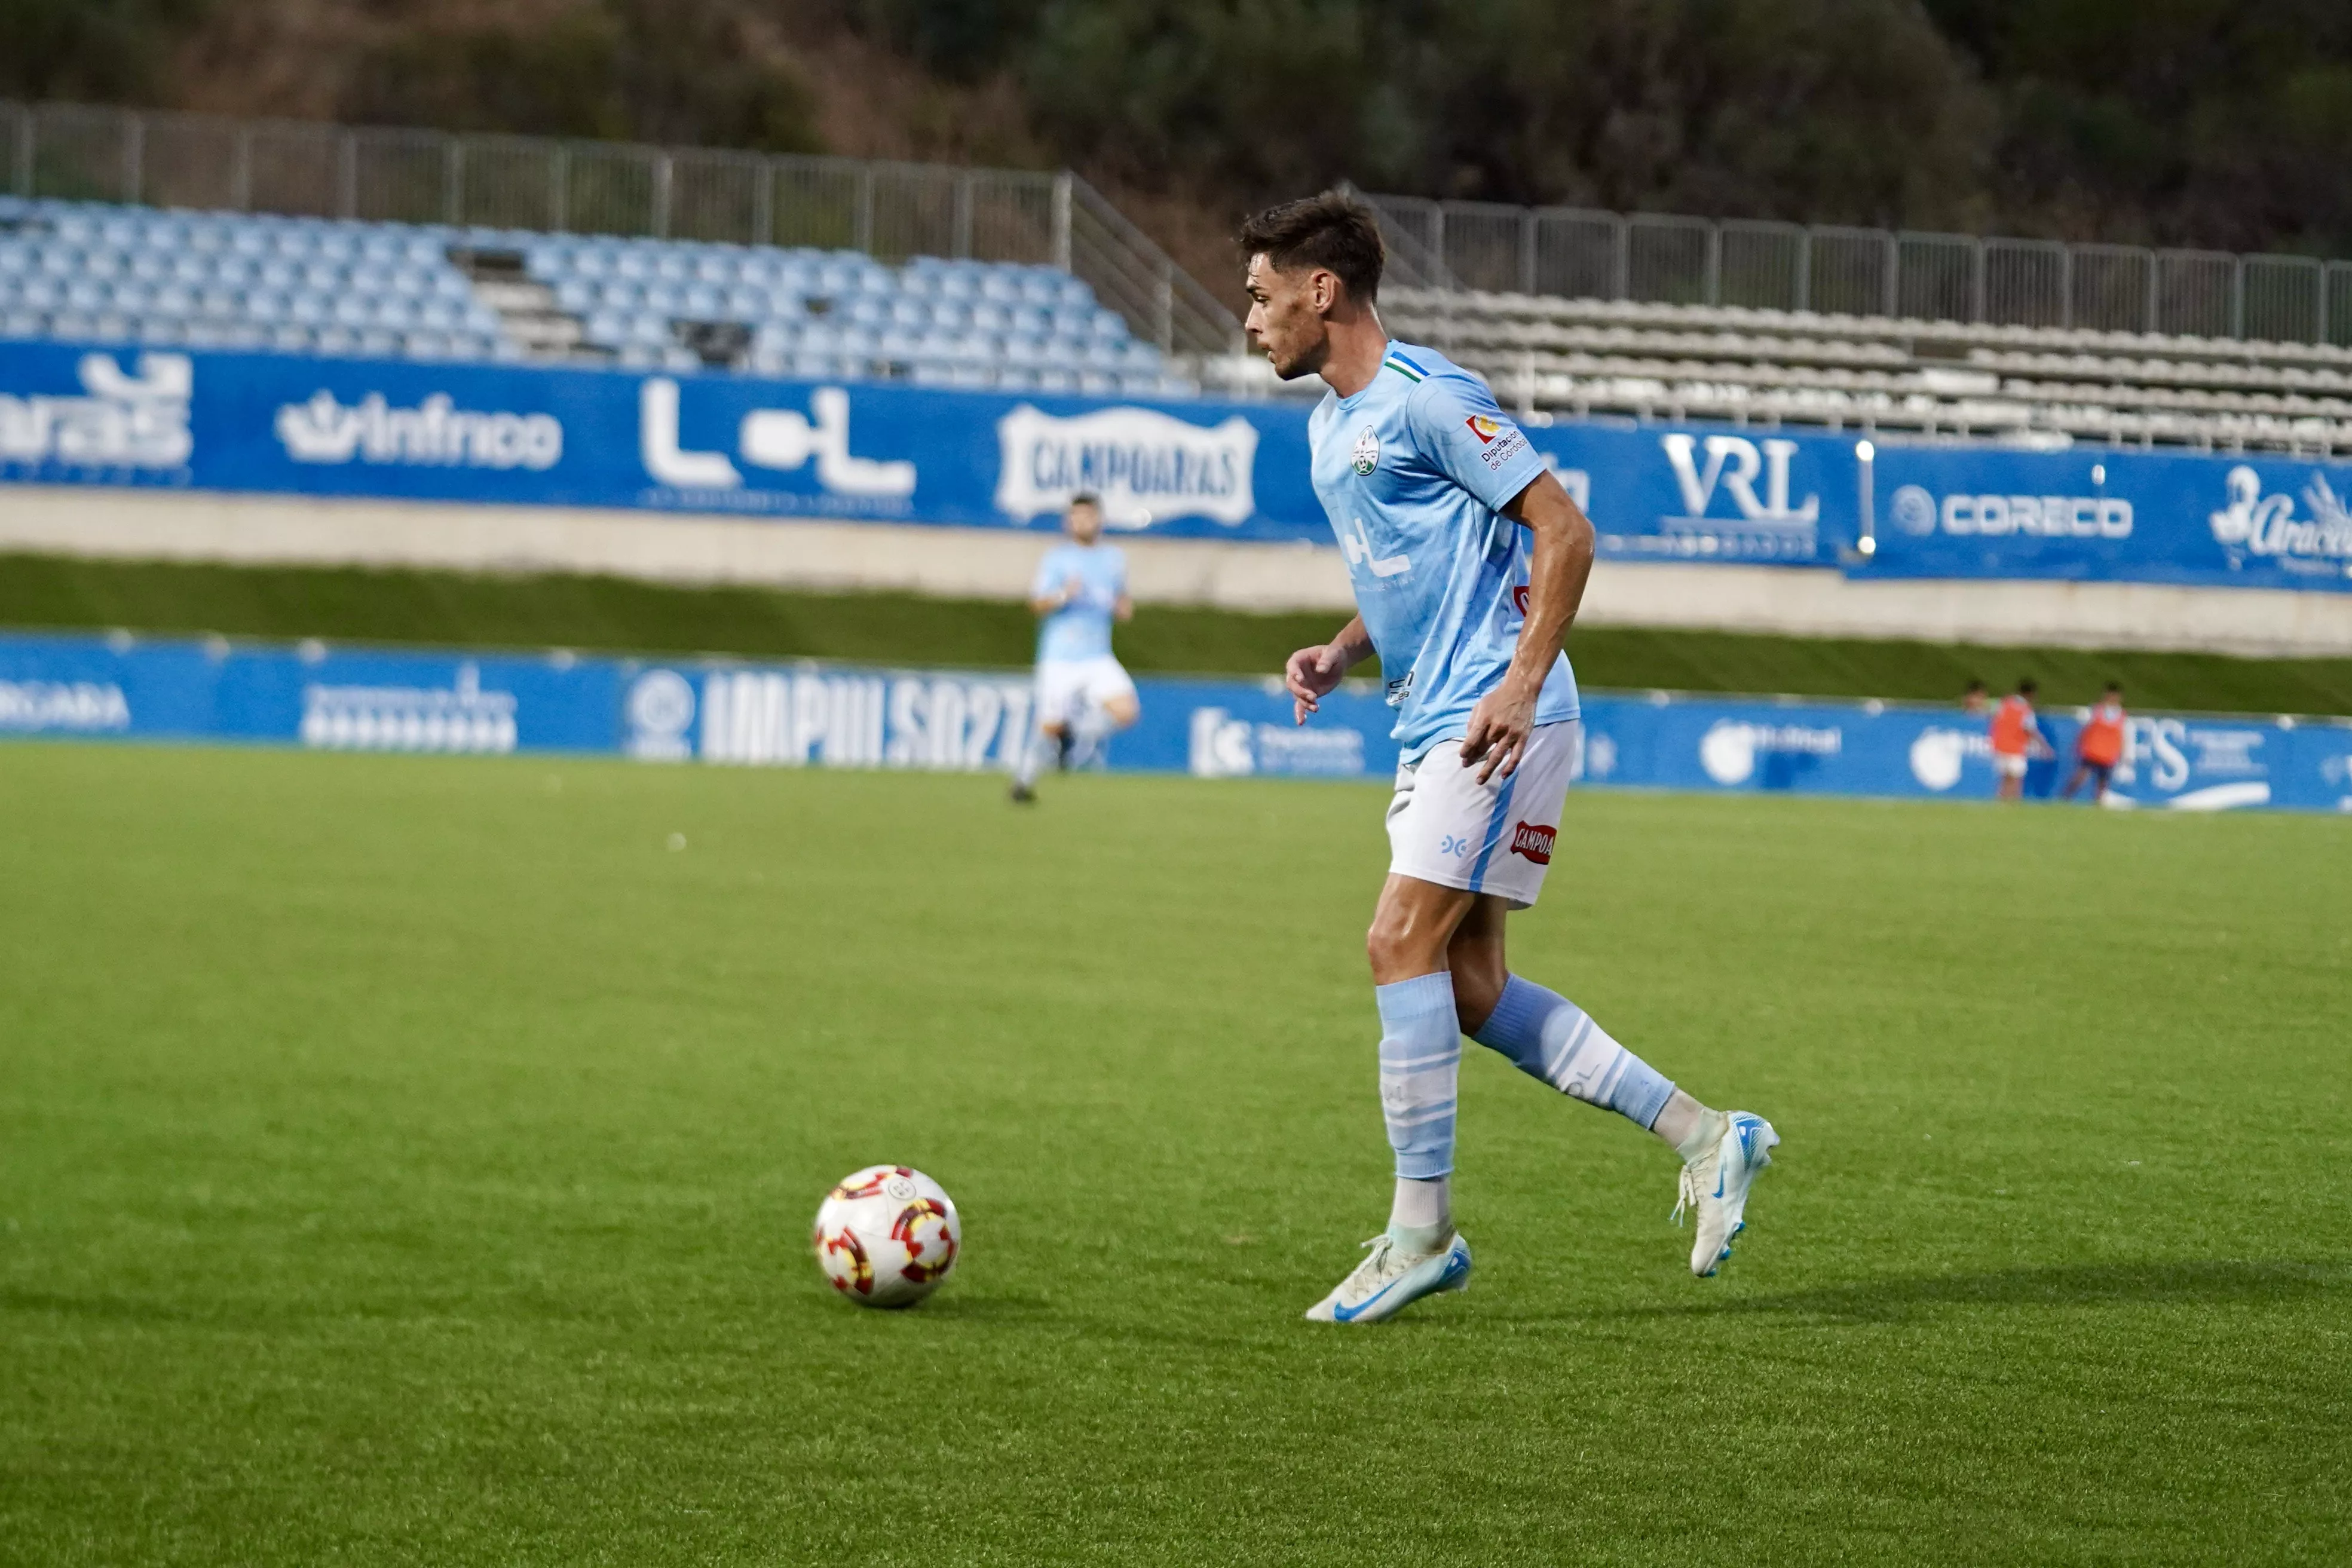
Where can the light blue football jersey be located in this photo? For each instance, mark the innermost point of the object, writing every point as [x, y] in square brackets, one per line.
[1412, 470]
[1081, 628]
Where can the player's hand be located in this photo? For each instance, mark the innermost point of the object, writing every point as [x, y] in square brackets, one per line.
[1499, 732]
[1311, 675]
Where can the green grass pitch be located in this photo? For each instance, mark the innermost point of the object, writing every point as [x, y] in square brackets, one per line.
[410, 1160]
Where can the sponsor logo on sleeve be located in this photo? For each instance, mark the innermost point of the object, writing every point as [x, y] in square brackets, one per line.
[1500, 441]
[1532, 841]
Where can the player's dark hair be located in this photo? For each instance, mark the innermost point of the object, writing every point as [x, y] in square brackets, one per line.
[1333, 230]
[1086, 498]
[2026, 687]
[1977, 683]
[2116, 687]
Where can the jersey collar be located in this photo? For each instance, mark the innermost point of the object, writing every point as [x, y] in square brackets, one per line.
[1394, 359]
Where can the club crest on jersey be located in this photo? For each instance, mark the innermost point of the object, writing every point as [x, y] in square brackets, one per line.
[1500, 441]
[1367, 451]
[1533, 842]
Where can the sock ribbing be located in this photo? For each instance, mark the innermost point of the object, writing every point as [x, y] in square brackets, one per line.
[1421, 1060]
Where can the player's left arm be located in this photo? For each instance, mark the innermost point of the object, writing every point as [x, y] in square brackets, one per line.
[1504, 719]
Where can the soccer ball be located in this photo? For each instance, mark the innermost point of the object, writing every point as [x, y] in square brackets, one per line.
[886, 1236]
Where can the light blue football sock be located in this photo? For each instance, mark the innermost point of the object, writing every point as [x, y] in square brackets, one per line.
[1551, 1038]
[1421, 1060]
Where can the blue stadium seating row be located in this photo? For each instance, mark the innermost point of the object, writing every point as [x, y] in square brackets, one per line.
[92, 272]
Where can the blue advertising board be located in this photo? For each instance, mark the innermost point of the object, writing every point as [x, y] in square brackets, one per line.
[815, 714]
[535, 435]
[2101, 515]
[539, 436]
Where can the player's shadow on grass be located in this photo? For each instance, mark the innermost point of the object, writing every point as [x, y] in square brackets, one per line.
[2205, 1283]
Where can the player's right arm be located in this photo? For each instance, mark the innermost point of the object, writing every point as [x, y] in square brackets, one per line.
[1313, 673]
[1045, 594]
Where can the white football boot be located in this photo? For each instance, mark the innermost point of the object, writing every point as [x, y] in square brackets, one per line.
[1716, 1186]
[1388, 1281]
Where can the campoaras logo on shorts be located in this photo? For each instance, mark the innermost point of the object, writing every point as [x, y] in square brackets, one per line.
[1533, 842]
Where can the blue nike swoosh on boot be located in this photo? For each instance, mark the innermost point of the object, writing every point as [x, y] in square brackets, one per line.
[1456, 1265]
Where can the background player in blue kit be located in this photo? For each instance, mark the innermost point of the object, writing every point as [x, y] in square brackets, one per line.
[1469, 561]
[1083, 693]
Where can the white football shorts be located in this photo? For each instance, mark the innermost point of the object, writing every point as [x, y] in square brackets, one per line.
[1066, 688]
[1446, 827]
[2009, 764]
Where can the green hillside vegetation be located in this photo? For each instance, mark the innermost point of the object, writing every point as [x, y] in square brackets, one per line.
[622, 615]
[2195, 122]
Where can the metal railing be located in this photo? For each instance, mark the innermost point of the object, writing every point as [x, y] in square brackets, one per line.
[890, 210]
[1579, 254]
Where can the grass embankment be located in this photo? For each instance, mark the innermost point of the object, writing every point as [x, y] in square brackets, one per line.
[619, 614]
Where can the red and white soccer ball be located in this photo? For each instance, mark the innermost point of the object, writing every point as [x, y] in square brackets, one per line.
[886, 1236]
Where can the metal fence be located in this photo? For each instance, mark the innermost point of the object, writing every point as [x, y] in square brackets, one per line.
[890, 210]
[1577, 254]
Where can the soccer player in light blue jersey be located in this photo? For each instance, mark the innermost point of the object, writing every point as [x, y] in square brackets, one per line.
[1469, 562]
[1083, 693]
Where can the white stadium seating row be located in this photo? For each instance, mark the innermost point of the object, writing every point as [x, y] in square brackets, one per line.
[2039, 386]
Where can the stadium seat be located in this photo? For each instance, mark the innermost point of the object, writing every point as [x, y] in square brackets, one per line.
[86, 270]
[2035, 386]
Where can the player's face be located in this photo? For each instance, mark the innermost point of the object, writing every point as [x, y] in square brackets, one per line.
[1286, 316]
[1083, 523]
